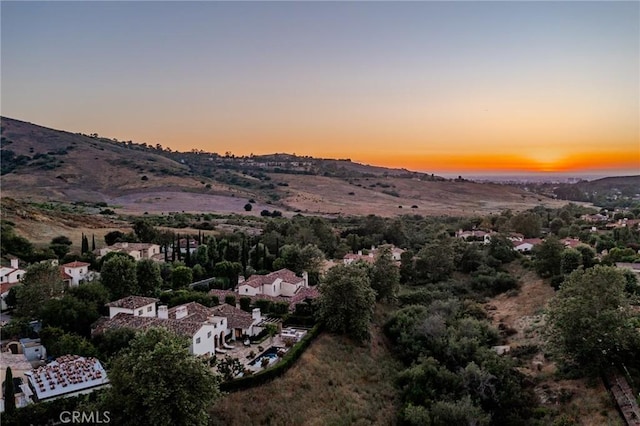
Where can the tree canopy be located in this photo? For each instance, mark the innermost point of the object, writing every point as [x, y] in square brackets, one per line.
[589, 319]
[347, 301]
[157, 380]
[42, 281]
[118, 274]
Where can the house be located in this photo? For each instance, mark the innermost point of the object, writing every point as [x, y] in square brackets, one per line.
[526, 245]
[279, 283]
[205, 329]
[571, 242]
[19, 367]
[33, 349]
[370, 257]
[12, 274]
[136, 250]
[303, 294]
[77, 272]
[475, 235]
[68, 375]
[9, 277]
[133, 305]
[239, 322]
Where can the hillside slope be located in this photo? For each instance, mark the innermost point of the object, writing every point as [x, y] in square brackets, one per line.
[42, 164]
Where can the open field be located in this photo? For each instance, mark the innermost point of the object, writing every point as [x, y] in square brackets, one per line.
[333, 383]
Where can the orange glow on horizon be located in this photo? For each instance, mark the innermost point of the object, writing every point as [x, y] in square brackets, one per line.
[488, 162]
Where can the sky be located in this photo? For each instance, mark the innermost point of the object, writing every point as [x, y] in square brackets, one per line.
[441, 87]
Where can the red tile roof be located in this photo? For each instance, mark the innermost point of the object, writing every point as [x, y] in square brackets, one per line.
[284, 274]
[76, 264]
[132, 302]
[122, 320]
[236, 318]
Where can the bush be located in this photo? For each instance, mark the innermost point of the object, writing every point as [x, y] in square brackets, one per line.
[230, 299]
[248, 207]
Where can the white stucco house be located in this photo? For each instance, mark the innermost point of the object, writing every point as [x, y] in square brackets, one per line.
[205, 328]
[77, 271]
[133, 305]
[9, 277]
[279, 283]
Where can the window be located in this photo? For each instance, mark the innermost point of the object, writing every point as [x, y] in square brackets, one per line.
[140, 312]
[246, 290]
[197, 340]
[209, 335]
[149, 308]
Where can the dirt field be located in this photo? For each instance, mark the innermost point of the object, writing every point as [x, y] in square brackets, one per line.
[157, 202]
[589, 404]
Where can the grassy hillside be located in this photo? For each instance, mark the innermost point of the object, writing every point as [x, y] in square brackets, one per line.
[43, 164]
[335, 382]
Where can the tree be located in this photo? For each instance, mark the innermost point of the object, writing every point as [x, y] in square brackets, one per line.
[548, 257]
[61, 246]
[385, 275]
[9, 393]
[527, 223]
[149, 278]
[59, 343]
[113, 237]
[144, 231]
[85, 244]
[70, 314]
[435, 262]
[588, 321]
[570, 260]
[229, 367]
[42, 282]
[156, 379]
[118, 274]
[181, 277]
[346, 301]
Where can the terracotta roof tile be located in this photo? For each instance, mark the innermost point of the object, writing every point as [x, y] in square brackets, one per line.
[132, 302]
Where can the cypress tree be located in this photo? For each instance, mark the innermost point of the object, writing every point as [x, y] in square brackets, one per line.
[9, 393]
[93, 242]
[187, 256]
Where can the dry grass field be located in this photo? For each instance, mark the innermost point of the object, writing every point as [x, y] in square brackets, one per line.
[333, 383]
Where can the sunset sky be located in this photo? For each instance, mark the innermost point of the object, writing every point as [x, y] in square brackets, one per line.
[441, 87]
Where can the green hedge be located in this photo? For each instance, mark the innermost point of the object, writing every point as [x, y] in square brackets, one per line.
[277, 370]
[42, 413]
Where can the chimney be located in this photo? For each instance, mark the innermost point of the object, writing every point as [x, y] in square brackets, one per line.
[15, 263]
[256, 315]
[125, 244]
[359, 252]
[163, 312]
[305, 277]
[181, 312]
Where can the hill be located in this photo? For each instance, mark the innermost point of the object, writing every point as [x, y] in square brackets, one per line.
[619, 191]
[42, 164]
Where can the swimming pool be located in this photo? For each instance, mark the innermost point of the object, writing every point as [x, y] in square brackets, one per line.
[271, 354]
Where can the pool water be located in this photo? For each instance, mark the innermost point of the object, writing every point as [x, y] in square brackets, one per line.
[271, 354]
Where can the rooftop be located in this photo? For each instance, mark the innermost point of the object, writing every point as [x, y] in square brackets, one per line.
[76, 264]
[284, 274]
[132, 302]
[67, 374]
[15, 361]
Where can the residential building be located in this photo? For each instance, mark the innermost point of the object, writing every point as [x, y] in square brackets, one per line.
[77, 272]
[279, 283]
[68, 375]
[9, 277]
[133, 305]
[205, 328]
